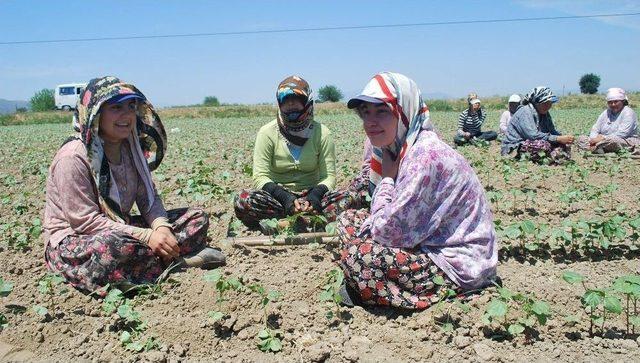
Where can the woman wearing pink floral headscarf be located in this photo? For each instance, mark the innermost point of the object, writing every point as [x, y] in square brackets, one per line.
[429, 234]
[616, 127]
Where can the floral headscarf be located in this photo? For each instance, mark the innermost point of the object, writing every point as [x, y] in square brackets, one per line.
[148, 141]
[403, 96]
[296, 128]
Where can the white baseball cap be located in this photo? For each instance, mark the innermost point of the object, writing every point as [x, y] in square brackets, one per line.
[515, 98]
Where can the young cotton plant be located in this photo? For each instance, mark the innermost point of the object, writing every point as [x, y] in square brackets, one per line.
[528, 312]
[598, 301]
[330, 293]
[47, 286]
[269, 338]
[130, 322]
[5, 289]
[222, 286]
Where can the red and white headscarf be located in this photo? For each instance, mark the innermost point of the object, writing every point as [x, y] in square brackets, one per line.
[403, 96]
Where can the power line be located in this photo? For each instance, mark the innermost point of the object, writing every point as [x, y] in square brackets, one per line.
[355, 27]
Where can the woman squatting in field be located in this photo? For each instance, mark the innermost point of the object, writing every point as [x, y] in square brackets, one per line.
[94, 179]
[470, 123]
[531, 129]
[429, 233]
[294, 168]
[616, 127]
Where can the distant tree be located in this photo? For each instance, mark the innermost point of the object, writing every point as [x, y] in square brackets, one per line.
[329, 93]
[589, 83]
[211, 101]
[43, 100]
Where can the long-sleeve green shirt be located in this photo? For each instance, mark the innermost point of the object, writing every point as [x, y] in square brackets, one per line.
[273, 162]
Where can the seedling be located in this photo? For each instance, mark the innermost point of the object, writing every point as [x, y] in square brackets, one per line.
[5, 289]
[596, 300]
[269, 338]
[222, 286]
[331, 293]
[531, 312]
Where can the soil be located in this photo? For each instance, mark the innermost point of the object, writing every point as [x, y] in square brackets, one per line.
[76, 327]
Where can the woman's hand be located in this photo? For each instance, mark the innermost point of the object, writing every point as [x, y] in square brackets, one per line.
[164, 244]
[596, 140]
[389, 166]
[301, 205]
[565, 139]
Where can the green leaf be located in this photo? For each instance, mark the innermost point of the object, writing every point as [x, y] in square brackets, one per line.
[612, 304]
[40, 310]
[447, 327]
[497, 308]
[541, 308]
[326, 296]
[125, 337]
[212, 276]
[634, 320]
[275, 345]
[438, 280]
[331, 228]
[515, 329]
[274, 295]
[215, 315]
[264, 334]
[593, 298]
[572, 277]
[528, 227]
[5, 288]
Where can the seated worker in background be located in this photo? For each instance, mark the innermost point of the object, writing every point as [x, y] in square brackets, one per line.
[532, 131]
[470, 122]
[505, 118]
[616, 127]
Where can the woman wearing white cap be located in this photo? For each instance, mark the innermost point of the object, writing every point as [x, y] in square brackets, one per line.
[514, 102]
[616, 127]
[470, 122]
[429, 234]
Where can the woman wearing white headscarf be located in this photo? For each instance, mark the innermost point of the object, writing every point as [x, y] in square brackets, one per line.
[616, 127]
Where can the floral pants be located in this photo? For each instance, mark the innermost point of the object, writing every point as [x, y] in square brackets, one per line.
[389, 276]
[539, 149]
[252, 206]
[90, 262]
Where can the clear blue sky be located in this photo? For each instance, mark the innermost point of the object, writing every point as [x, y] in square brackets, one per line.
[489, 59]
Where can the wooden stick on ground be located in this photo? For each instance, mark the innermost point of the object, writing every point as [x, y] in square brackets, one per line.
[296, 239]
[611, 156]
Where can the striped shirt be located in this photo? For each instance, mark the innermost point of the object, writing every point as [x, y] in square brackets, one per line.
[470, 123]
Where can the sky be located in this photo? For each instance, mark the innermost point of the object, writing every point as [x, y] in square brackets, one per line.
[444, 60]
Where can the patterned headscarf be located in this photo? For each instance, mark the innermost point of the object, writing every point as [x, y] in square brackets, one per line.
[148, 141]
[539, 95]
[403, 96]
[296, 128]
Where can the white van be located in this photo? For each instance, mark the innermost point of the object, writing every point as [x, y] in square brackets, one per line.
[66, 95]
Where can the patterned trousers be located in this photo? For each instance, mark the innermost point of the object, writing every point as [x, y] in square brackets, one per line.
[252, 206]
[90, 262]
[540, 149]
[389, 276]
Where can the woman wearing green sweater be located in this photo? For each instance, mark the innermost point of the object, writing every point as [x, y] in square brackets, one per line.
[293, 162]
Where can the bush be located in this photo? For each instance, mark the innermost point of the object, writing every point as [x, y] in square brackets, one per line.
[43, 100]
[589, 83]
[211, 101]
[329, 93]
